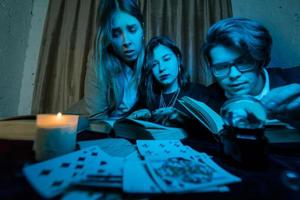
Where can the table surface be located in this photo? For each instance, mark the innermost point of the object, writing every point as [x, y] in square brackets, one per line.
[261, 183]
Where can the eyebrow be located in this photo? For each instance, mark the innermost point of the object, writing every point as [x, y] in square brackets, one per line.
[231, 61]
[132, 25]
[129, 25]
[167, 54]
[164, 56]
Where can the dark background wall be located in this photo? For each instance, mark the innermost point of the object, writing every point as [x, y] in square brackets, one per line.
[15, 17]
[282, 18]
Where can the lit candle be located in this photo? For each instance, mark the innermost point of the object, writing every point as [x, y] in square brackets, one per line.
[56, 135]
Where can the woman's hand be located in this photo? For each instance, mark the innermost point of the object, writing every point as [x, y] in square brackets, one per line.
[169, 116]
[283, 103]
[143, 114]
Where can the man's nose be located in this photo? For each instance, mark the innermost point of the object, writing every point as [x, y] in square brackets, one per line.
[234, 72]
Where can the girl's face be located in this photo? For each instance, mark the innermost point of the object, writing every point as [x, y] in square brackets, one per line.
[126, 36]
[165, 68]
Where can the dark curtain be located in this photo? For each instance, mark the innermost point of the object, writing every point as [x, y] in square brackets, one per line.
[69, 35]
[186, 22]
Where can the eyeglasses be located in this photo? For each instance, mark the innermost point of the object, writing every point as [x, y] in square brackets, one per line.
[243, 64]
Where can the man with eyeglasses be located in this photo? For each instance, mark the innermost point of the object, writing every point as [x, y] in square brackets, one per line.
[237, 51]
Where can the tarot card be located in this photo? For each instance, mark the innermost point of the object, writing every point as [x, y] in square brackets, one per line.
[50, 178]
[179, 174]
[220, 175]
[136, 178]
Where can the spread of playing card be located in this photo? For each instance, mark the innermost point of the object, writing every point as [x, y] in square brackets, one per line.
[50, 178]
[156, 166]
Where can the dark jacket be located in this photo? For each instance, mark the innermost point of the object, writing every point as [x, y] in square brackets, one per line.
[194, 90]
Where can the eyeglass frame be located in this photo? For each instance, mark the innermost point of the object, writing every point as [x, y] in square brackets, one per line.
[237, 63]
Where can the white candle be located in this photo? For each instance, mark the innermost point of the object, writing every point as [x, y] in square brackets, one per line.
[56, 135]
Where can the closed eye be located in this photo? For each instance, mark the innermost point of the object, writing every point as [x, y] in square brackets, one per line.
[132, 28]
[166, 57]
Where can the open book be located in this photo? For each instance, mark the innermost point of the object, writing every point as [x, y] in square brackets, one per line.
[137, 129]
[275, 130]
[203, 113]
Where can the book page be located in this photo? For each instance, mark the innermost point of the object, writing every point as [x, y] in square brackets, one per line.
[141, 123]
[208, 117]
[18, 130]
[139, 129]
[101, 126]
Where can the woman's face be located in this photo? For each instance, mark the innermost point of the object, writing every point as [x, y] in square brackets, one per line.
[126, 36]
[165, 67]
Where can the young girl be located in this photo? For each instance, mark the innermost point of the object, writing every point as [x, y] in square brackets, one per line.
[114, 74]
[165, 81]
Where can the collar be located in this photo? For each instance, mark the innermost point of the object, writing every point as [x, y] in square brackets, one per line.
[266, 87]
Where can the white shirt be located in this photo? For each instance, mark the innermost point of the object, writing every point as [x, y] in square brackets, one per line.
[266, 87]
[129, 95]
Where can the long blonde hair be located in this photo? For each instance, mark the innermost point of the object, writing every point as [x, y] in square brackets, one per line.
[109, 66]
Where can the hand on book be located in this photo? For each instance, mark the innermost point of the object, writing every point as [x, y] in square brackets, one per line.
[284, 103]
[143, 114]
[169, 116]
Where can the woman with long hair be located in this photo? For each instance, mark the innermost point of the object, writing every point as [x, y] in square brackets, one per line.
[114, 73]
[165, 80]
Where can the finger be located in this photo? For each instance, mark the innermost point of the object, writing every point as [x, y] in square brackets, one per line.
[294, 105]
[162, 111]
[173, 116]
[144, 114]
[281, 95]
[132, 116]
[147, 115]
[157, 111]
[288, 111]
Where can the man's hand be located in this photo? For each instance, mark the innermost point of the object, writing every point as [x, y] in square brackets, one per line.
[283, 103]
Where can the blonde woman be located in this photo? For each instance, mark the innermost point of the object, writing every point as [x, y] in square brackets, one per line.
[114, 74]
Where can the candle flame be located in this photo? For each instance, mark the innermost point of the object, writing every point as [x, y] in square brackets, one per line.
[59, 115]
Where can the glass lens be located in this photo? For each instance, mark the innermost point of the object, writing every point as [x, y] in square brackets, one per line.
[220, 69]
[245, 64]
